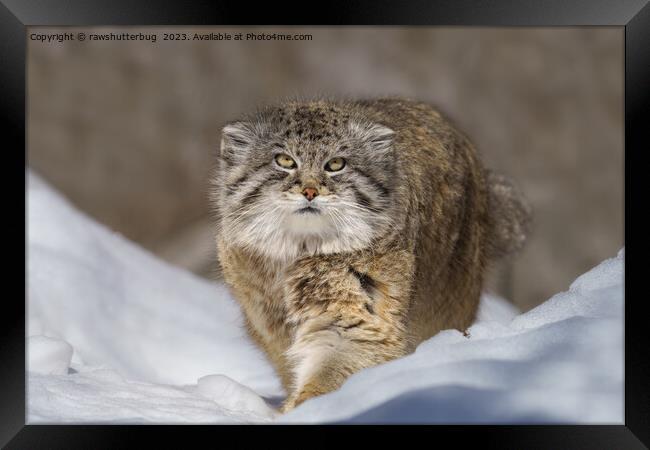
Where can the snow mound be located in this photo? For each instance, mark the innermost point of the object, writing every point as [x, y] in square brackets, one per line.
[48, 356]
[117, 336]
[120, 307]
[230, 394]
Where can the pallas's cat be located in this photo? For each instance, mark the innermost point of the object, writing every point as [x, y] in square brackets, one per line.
[350, 231]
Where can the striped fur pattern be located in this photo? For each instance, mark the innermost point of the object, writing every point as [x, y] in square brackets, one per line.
[392, 249]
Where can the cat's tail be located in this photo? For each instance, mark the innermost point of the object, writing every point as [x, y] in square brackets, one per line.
[510, 217]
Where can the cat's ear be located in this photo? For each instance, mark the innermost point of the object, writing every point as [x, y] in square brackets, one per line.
[378, 137]
[237, 138]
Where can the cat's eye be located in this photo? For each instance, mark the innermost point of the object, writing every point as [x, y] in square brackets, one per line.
[285, 161]
[335, 164]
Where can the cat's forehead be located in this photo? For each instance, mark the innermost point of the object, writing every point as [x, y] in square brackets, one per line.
[315, 122]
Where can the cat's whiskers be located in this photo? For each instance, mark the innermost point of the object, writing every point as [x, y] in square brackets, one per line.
[245, 209]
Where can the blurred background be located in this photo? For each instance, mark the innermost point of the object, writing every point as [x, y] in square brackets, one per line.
[127, 130]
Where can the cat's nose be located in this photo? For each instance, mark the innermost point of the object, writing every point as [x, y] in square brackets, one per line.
[310, 193]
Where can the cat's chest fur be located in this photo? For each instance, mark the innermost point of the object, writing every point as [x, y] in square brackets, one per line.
[259, 283]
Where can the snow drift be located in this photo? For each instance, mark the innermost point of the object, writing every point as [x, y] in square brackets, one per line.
[118, 336]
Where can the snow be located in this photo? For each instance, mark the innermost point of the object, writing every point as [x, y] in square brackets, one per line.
[116, 335]
[230, 394]
[49, 356]
[131, 315]
[96, 395]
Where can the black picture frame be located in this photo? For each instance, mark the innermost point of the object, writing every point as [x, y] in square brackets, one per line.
[16, 15]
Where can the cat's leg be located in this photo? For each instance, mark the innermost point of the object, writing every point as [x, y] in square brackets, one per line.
[346, 319]
[328, 350]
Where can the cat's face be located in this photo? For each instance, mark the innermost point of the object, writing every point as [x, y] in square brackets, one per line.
[305, 179]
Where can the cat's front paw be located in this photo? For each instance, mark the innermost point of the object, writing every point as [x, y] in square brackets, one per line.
[290, 403]
[287, 406]
[299, 397]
